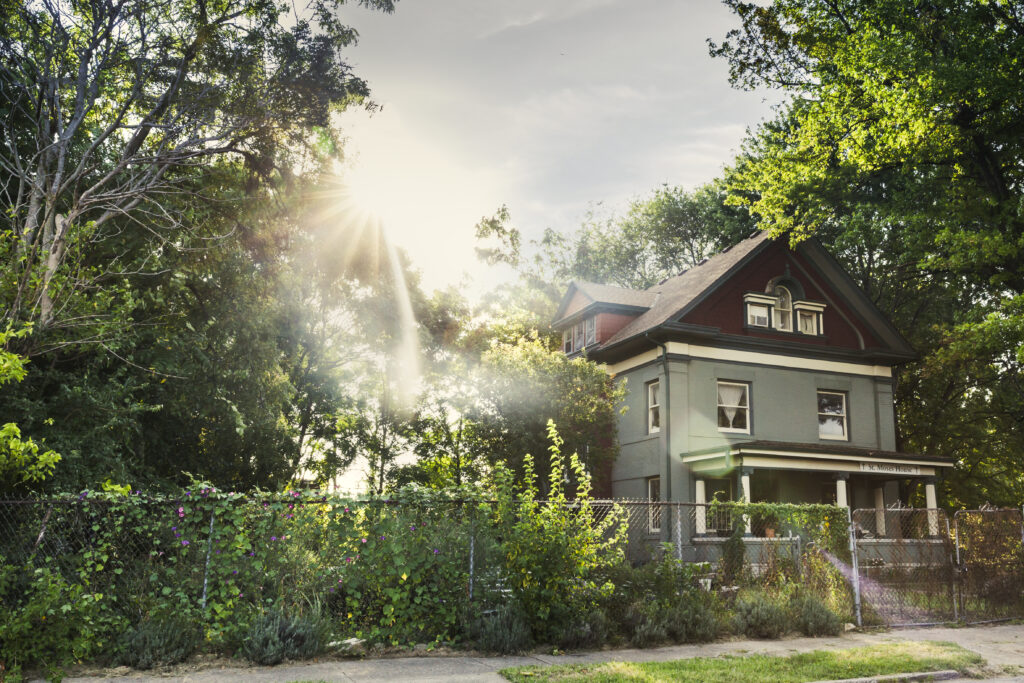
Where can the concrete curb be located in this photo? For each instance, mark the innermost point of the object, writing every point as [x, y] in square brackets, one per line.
[944, 675]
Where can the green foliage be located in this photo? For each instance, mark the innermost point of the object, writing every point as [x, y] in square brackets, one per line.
[813, 618]
[160, 641]
[759, 616]
[587, 630]
[275, 637]
[553, 551]
[46, 621]
[693, 619]
[504, 630]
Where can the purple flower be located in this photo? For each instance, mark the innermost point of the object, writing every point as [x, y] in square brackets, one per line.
[252, 554]
[174, 528]
[273, 538]
[181, 512]
[382, 538]
[184, 542]
[235, 572]
[331, 589]
[217, 553]
[177, 535]
[346, 509]
[436, 551]
[413, 527]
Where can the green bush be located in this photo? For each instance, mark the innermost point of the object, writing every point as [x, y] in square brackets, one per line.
[160, 641]
[274, 637]
[589, 630]
[45, 620]
[813, 618]
[554, 552]
[692, 620]
[758, 616]
[503, 630]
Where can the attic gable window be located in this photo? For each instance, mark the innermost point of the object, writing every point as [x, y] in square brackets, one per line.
[579, 336]
[783, 309]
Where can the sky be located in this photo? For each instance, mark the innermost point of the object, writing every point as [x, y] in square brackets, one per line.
[548, 107]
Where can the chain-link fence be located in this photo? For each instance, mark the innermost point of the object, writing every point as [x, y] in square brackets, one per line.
[904, 566]
[988, 546]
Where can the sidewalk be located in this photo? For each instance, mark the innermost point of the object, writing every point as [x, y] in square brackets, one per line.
[1001, 646]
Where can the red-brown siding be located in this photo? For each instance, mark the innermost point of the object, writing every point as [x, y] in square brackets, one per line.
[610, 323]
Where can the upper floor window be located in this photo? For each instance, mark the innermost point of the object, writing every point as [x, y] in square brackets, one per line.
[580, 335]
[832, 415]
[653, 407]
[734, 407]
[783, 309]
[757, 315]
[808, 322]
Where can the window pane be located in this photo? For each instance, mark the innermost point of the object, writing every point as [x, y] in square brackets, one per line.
[732, 395]
[654, 488]
[655, 417]
[652, 397]
[831, 426]
[723, 419]
[757, 315]
[831, 404]
[739, 420]
[807, 323]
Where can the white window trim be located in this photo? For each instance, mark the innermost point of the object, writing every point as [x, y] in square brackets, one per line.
[590, 331]
[653, 528]
[746, 389]
[814, 319]
[767, 314]
[652, 428]
[845, 415]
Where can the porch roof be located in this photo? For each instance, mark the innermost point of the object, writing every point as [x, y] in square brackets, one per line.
[820, 457]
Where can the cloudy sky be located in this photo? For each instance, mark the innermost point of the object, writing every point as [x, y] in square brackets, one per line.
[548, 107]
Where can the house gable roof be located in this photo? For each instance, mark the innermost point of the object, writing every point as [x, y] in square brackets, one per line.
[672, 307]
[610, 295]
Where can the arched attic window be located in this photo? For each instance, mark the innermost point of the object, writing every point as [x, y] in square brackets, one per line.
[783, 308]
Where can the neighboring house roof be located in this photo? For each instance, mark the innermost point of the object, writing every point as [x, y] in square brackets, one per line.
[676, 293]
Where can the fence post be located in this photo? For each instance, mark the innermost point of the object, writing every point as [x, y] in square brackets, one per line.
[206, 569]
[854, 566]
[472, 548]
[679, 532]
[953, 578]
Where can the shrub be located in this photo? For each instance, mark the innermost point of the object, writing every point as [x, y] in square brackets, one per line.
[691, 620]
[813, 618]
[45, 620]
[274, 637]
[589, 630]
[159, 641]
[758, 616]
[503, 630]
[553, 552]
[651, 631]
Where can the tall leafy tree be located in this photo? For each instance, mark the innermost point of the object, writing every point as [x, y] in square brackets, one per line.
[901, 147]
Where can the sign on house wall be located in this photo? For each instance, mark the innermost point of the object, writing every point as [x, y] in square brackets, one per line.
[889, 468]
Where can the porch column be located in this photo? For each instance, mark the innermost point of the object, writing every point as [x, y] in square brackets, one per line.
[880, 511]
[841, 490]
[932, 504]
[745, 488]
[701, 498]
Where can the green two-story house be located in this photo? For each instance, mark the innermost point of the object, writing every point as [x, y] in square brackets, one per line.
[762, 374]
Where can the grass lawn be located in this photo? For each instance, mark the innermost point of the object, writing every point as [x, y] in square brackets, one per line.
[809, 666]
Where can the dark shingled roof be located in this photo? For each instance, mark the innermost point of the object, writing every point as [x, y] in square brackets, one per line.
[673, 295]
[610, 294]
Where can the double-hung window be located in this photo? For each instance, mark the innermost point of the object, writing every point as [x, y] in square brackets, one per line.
[734, 407]
[832, 423]
[653, 407]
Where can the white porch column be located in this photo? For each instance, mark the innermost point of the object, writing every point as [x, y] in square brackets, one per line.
[701, 498]
[841, 490]
[932, 504]
[745, 485]
[880, 511]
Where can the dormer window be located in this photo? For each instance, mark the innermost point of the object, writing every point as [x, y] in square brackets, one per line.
[580, 335]
[783, 309]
